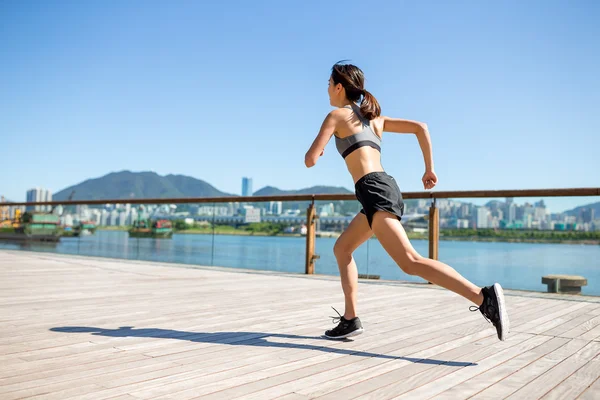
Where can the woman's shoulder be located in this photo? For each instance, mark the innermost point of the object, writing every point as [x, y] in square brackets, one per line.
[340, 112]
[338, 115]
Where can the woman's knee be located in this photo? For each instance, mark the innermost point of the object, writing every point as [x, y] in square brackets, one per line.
[410, 263]
[341, 250]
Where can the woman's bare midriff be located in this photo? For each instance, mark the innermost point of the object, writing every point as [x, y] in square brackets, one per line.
[363, 161]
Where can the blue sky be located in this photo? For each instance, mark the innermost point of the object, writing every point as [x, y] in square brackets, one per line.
[220, 90]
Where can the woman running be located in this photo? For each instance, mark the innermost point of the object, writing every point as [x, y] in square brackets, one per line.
[358, 128]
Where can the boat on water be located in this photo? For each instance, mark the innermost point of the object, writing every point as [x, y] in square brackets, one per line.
[159, 229]
[32, 227]
[84, 228]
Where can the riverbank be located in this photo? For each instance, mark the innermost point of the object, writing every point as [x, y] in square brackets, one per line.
[558, 239]
[517, 240]
[233, 233]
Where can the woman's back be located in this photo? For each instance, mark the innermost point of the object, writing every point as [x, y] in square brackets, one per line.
[358, 141]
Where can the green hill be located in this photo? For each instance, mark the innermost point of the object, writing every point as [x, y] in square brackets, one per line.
[137, 185]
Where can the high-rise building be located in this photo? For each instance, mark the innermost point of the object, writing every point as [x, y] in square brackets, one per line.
[512, 213]
[104, 218]
[132, 216]
[539, 213]
[112, 221]
[122, 221]
[38, 195]
[327, 210]
[462, 223]
[463, 212]
[587, 214]
[276, 207]
[519, 213]
[246, 186]
[483, 218]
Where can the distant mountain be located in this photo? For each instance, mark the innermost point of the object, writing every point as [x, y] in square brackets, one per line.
[139, 185]
[577, 210]
[136, 185]
[273, 191]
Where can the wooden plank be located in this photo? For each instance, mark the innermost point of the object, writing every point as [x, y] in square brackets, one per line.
[582, 329]
[24, 368]
[577, 383]
[564, 319]
[506, 387]
[448, 372]
[97, 383]
[297, 385]
[592, 334]
[480, 382]
[72, 391]
[213, 383]
[449, 351]
[64, 367]
[534, 325]
[248, 384]
[573, 322]
[440, 385]
[385, 384]
[293, 396]
[559, 372]
[76, 377]
[592, 393]
[373, 378]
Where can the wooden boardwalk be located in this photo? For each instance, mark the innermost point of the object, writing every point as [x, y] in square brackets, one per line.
[86, 328]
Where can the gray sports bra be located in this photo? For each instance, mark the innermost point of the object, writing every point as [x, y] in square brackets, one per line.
[366, 137]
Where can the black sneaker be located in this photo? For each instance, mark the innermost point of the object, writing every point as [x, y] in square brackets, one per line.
[345, 329]
[493, 309]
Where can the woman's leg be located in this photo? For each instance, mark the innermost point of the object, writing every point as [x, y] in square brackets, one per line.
[356, 234]
[391, 235]
[490, 300]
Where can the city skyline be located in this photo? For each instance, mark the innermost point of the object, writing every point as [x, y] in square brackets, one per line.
[506, 214]
[246, 187]
[454, 214]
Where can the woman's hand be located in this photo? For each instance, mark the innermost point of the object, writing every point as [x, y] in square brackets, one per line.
[429, 179]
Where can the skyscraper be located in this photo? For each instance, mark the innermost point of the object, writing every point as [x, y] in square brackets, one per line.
[586, 214]
[38, 195]
[512, 213]
[246, 186]
[483, 218]
[276, 207]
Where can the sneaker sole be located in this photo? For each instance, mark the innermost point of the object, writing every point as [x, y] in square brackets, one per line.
[504, 321]
[351, 334]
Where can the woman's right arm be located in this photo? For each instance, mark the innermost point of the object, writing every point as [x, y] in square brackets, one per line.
[420, 129]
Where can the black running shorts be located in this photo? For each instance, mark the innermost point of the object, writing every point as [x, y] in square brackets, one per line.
[378, 191]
